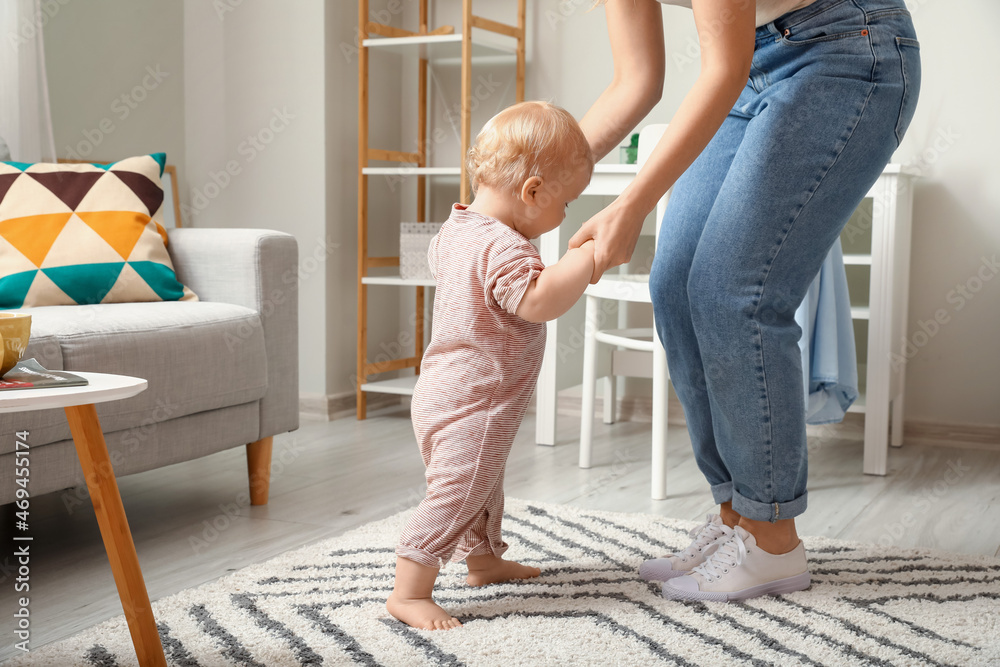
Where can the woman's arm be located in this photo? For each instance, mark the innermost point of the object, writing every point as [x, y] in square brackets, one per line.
[726, 34]
[635, 28]
[559, 286]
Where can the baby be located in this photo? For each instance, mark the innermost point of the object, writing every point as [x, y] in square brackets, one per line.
[492, 300]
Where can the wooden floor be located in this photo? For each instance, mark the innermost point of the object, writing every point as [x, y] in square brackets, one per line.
[192, 523]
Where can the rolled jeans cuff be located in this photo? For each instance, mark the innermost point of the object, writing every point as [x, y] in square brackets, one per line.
[722, 493]
[758, 511]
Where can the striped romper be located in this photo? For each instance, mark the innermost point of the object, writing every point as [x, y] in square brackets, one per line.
[475, 381]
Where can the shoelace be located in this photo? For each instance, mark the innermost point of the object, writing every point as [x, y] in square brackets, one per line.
[704, 535]
[730, 555]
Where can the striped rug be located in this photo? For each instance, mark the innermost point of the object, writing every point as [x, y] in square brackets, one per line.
[323, 605]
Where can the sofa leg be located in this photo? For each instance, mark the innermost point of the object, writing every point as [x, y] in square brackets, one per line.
[259, 467]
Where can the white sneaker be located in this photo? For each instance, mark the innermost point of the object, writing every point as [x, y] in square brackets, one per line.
[707, 537]
[739, 569]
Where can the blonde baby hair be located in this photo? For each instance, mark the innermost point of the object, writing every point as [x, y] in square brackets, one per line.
[524, 140]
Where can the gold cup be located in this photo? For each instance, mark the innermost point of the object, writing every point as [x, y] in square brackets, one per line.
[15, 331]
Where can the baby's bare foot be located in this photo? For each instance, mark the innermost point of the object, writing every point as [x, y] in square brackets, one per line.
[484, 570]
[422, 613]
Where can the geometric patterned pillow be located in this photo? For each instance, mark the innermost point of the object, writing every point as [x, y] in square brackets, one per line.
[84, 233]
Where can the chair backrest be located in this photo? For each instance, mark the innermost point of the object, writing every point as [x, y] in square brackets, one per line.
[649, 136]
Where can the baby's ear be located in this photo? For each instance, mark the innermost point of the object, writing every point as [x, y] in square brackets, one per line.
[530, 190]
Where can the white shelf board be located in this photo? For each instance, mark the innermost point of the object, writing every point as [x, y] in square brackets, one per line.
[904, 169]
[601, 171]
[857, 260]
[860, 312]
[616, 169]
[402, 386]
[396, 280]
[858, 405]
[610, 179]
[444, 49]
[412, 171]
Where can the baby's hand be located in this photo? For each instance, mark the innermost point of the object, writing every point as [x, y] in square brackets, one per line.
[589, 246]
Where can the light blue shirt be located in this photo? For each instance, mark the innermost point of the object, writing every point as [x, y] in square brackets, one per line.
[829, 358]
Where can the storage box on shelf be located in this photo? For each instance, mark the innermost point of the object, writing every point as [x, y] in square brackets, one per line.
[478, 40]
[414, 242]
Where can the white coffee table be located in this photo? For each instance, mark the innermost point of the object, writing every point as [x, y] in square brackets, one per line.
[93, 454]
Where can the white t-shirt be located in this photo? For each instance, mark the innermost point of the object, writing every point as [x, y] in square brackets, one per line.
[767, 10]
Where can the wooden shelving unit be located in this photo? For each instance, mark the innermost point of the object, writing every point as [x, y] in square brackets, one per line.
[491, 42]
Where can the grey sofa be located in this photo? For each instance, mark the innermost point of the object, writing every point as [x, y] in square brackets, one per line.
[222, 371]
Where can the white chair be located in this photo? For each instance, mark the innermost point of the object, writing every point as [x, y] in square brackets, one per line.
[633, 348]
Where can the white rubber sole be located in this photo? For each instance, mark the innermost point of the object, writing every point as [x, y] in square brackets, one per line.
[799, 582]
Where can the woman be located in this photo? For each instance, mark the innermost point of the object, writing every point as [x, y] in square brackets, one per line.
[798, 107]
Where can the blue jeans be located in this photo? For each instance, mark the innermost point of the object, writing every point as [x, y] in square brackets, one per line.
[831, 92]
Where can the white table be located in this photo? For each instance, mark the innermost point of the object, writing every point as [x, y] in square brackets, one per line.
[890, 224]
[609, 180]
[92, 451]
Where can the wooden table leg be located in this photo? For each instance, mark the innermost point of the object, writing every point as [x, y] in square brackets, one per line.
[93, 454]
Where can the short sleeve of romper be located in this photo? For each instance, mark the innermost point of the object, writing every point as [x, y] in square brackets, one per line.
[509, 271]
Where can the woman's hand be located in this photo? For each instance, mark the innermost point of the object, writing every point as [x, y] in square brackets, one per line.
[615, 231]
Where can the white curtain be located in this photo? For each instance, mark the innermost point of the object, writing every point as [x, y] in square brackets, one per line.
[25, 118]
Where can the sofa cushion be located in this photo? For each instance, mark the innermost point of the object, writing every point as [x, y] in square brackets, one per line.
[84, 233]
[196, 356]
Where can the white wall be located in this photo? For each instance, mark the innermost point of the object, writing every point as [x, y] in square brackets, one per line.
[953, 140]
[341, 196]
[116, 78]
[256, 136]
